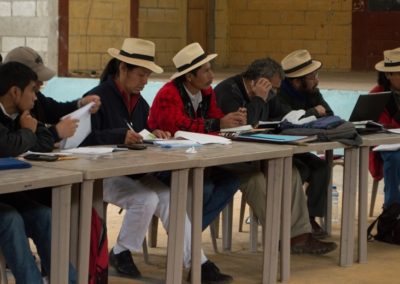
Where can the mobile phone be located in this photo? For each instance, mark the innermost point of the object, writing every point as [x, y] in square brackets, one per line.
[133, 146]
[39, 157]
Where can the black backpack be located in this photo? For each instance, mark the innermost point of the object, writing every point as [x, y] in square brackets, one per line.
[388, 229]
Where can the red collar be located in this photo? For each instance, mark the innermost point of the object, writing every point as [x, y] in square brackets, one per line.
[130, 100]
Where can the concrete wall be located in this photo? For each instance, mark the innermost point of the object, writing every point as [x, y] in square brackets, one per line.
[30, 23]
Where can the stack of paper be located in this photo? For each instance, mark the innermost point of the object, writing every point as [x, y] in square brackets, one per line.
[202, 138]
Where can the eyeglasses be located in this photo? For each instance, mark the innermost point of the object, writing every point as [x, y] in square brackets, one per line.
[312, 77]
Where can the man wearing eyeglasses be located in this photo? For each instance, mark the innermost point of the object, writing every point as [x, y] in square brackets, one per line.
[300, 90]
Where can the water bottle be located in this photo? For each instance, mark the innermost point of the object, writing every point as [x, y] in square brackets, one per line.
[335, 205]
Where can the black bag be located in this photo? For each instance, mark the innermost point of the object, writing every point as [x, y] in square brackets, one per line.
[388, 229]
[329, 128]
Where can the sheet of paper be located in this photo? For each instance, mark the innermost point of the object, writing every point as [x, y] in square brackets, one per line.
[147, 135]
[83, 130]
[202, 138]
[237, 129]
[394, 130]
[387, 147]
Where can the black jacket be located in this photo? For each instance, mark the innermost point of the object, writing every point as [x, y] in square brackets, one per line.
[296, 100]
[109, 123]
[15, 140]
[231, 95]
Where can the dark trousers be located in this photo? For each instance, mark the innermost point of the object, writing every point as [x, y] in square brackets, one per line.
[317, 173]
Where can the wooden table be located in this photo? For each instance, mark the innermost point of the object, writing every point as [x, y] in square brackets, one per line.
[278, 160]
[60, 181]
[97, 167]
[368, 141]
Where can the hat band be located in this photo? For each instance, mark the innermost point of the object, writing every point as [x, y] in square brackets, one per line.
[194, 61]
[137, 56]
[391, 64]
[298, 67]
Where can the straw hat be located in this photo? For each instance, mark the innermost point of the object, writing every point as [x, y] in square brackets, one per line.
[190, 57]
[299, 63]
[32, 59]
[391, 62]
[137, 52]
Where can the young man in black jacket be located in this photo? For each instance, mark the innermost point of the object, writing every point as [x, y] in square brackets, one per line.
[20, 216]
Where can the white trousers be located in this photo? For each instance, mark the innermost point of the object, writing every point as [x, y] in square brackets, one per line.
[142, 198]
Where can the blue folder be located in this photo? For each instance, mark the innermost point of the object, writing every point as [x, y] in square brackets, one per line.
[13, 163]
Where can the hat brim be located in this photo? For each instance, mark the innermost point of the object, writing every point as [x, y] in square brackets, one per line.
[198, 64]
[380, 66]
[315, 65]
[134, 61]
[44, 73]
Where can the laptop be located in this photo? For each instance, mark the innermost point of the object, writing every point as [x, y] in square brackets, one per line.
[367, 110]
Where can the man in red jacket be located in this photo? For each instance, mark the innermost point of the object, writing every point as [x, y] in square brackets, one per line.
[386, 164]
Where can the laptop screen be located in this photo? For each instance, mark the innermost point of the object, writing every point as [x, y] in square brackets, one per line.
[369, 106]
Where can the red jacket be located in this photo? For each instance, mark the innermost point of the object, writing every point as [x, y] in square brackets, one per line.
[387, 119]
[172, 111]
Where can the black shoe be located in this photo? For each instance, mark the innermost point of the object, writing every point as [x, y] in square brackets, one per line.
[123, 263]
[317, 230]
[307, 244]
[210, 274]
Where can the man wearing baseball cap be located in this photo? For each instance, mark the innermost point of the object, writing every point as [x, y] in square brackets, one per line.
[46, 109]
[300, 90]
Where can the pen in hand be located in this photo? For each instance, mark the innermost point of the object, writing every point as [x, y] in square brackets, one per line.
[129, 124]
[138, 138]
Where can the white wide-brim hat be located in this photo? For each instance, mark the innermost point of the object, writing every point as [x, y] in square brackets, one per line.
[299, 63]
[391, 62]
[137, 52]
[33, 60]
[190, 57]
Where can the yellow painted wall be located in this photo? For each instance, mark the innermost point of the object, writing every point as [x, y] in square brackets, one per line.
[95, 26]
[245, 30]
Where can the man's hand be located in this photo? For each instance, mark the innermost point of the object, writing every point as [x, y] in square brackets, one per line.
[27, 121]
[233, 119]
[67, 127]
[88, 99]
[162, 134]
[261, 88]
[320, 110]
[132, 137]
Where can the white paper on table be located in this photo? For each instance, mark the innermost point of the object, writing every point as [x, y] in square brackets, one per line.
[82, 131]
[394, 130]
[89, 150]
[387, 147]
[202, 138]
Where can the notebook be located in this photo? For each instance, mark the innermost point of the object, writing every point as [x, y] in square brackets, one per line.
[13, 163]
[275, 138]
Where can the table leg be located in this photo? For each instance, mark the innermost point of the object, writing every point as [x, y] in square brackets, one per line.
[179, 185]
[363, 205]
[274, 174]
[286, 220]
[328, 214]
[197, 219]
[85, 219]
[348, 206]
[60, 232]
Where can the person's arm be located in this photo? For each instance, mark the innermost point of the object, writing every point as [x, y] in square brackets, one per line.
[320, 106]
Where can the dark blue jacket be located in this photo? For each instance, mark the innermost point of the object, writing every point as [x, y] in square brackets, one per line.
[109, 123]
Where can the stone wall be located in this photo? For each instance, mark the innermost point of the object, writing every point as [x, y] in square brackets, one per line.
[30, 23]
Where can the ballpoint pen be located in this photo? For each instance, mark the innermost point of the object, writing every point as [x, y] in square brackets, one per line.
[129, 124]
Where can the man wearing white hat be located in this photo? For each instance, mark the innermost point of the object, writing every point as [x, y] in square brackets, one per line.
[386, 164]
[142, 196]
[256, 89]
[299, 91]
[188, 103]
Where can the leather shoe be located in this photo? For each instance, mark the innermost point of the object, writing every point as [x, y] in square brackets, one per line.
[123, 263]
[210, 274]
[306, 243]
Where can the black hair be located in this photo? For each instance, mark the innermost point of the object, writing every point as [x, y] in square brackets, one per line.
[181, 79]
[383, 81]
[112, 69]
[264, 67]
[15, 74]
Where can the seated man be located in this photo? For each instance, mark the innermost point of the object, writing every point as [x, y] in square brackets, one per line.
[300, 90]
[143, 196]
[20, 216]
[386, 164]
[255, 89]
